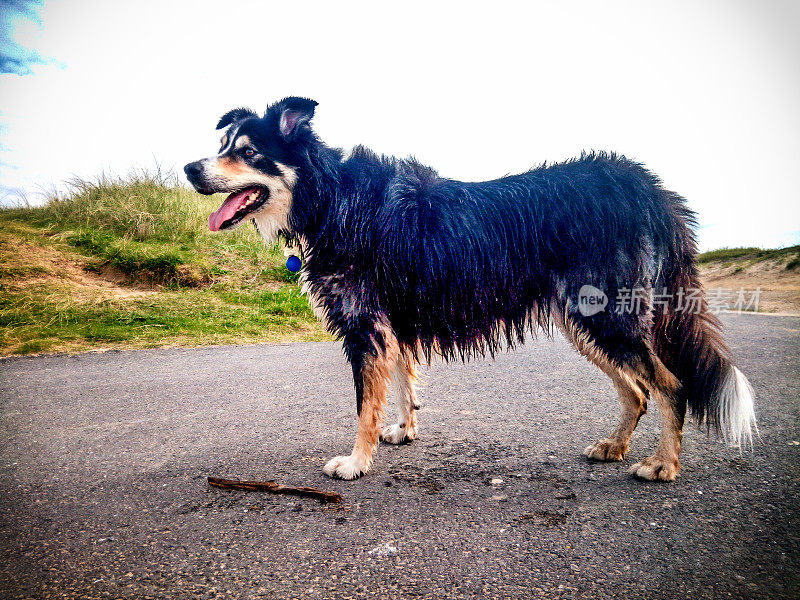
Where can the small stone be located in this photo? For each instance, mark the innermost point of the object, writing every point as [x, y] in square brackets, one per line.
[496, 481]
[386, 550]
[500, 498]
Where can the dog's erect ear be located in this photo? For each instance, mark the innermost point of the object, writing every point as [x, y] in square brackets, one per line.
[294, 114]
[237, 114]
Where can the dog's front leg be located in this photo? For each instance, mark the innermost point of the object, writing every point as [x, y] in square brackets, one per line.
[405, 430]
[372, 356]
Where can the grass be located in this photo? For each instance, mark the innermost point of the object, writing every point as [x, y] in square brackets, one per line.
[130, 263]
[750, 256]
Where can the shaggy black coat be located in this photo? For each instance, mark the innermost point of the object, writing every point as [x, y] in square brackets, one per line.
[465, 268]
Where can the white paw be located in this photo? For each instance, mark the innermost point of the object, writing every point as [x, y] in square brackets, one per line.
[345, 467]
[395, 434]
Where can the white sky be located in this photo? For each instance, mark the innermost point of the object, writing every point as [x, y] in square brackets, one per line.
[705, 93]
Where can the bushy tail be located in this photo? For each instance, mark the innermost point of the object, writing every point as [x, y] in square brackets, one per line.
[717, 394]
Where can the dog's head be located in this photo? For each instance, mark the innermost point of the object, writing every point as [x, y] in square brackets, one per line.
[256, 165]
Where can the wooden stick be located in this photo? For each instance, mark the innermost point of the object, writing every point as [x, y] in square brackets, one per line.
[274, 488]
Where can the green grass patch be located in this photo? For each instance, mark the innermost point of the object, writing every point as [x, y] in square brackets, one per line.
[46, 317]
[168, 280]
[727, 254]
[749, 255]
[156, 262]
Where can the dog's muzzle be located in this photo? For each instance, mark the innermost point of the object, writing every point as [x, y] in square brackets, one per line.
[194, 173]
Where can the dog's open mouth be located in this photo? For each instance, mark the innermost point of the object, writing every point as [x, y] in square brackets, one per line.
[236, 207]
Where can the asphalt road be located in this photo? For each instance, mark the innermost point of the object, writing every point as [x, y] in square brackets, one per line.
[104, 459]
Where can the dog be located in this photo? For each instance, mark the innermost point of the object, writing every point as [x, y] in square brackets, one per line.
[401, 264]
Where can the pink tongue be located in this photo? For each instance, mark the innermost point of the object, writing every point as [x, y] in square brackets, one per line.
[228, 209]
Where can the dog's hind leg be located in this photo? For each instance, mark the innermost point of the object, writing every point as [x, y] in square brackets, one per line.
[621, 350]
[633, 401]
[372, 351]
[405, 430]
[664, 464]
[637, 380]
[632, 398]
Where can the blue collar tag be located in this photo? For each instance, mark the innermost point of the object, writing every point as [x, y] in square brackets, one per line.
[293, 263]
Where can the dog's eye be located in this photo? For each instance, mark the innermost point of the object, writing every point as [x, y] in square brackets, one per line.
[248, 152]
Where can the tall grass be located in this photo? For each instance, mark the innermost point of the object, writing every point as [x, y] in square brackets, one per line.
[144, 206]
[750, 255]
[147, 225]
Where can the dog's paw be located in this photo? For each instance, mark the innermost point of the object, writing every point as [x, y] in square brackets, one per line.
[396, 434]
[606, 450]
[345, 467]
[655, 468]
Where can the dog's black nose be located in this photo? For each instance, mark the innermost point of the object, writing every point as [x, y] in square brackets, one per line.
[192, 170]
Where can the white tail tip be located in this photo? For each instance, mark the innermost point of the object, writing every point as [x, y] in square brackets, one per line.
[737, 417]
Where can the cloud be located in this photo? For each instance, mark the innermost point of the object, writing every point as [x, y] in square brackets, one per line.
[14, 57]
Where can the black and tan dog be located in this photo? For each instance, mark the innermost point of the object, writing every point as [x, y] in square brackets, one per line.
[401, 264]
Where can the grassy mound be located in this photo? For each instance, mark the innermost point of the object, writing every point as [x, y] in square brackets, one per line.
[131, 263]
[750, 256]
